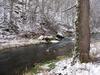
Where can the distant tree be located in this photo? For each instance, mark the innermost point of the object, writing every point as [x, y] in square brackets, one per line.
[11, 9]
[83, 30]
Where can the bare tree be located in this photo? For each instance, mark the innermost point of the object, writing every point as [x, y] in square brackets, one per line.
[4, 2]
[11, 9]
[28, 14]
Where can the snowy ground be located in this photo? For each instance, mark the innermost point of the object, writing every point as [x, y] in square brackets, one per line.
[64, 67]
[95, 49]
[15, 41]
[19, 42]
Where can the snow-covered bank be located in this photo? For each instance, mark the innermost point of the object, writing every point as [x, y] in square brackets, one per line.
[15, 41]
[19, 42]
[64, 67]
[95, 49]
[77, 69]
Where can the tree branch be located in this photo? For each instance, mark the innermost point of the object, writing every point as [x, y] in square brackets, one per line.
[69, 8]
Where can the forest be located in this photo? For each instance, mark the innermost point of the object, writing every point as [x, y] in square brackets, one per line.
[49, 37]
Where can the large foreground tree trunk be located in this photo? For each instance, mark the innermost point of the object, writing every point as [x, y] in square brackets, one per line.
[83, 30]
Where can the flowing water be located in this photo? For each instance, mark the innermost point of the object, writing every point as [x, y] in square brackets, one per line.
[15, 61]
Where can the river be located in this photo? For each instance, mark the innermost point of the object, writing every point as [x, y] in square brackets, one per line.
[15, 61]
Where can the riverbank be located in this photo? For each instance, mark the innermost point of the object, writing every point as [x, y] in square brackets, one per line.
[22, 42]
[17, 60]
[64, 67]
[19, 43]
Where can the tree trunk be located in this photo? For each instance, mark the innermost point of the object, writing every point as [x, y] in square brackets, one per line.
[11, 10]
[83, 30]
[4, 6]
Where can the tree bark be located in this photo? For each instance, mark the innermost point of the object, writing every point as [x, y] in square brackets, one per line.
[83, 30]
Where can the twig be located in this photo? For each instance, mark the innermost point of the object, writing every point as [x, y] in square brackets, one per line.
[69, 8]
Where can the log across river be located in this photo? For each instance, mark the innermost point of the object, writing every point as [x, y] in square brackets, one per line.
[15, 61]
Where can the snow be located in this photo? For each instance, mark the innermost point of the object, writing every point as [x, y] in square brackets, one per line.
[15, 41]
[50, 37]
[96, 30]
[54, 41]
[42, 37]
[19, 42]
[95, 49]
[64, 67]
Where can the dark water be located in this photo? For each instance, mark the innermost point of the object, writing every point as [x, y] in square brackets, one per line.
[15, 61]
[96, 36]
